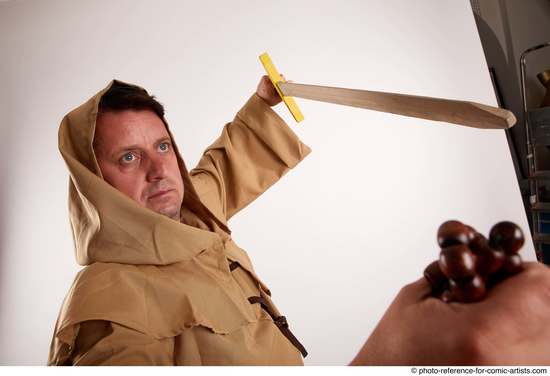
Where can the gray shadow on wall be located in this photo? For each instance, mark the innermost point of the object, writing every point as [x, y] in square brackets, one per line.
[6, 182]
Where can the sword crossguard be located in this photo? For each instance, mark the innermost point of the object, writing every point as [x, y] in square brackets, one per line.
[275, 78]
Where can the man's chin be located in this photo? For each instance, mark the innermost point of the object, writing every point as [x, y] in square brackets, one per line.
[171, 212]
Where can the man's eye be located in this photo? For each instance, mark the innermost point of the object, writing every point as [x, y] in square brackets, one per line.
[164, 147]
[128, 158]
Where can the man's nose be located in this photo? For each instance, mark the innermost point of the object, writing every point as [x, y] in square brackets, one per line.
[156, 168]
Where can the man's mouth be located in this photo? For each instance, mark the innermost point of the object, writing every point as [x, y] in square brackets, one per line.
[160, 193]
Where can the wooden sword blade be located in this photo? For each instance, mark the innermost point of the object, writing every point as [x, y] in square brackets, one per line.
[470, 114]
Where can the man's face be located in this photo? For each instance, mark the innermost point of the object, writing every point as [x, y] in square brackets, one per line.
[135, 154]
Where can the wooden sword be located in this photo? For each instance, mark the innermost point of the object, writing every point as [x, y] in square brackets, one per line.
[470, 114]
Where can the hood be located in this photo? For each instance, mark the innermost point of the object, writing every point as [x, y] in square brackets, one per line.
[107, 225]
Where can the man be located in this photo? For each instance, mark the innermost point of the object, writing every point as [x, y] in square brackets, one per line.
[164, 284]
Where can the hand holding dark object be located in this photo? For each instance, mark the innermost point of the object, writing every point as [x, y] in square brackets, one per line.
[469, 264]
[511, 326]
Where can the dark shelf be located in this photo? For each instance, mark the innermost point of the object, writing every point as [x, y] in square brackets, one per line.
[541, 238]
[540, 175]
[541, 206]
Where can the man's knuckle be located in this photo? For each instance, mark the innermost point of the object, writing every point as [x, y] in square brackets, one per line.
[538, 288]
[474, 345]
[403, 290]
[406, 289]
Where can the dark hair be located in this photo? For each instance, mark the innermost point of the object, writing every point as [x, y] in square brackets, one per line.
[121, 96]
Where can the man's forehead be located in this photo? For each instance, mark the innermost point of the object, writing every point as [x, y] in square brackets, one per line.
[120, 127]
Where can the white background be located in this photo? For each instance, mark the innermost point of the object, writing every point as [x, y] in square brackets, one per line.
[338, 236]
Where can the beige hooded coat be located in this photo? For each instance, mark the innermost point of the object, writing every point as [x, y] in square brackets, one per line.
[155, 291]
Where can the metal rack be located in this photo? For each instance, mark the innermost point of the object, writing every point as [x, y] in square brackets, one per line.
[537, 129]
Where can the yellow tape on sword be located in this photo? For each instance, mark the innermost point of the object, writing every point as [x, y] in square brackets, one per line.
[275, 78]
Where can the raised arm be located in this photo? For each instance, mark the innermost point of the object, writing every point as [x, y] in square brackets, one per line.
[254, 151]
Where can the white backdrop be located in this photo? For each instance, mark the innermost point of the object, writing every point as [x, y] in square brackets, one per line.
[338, 236]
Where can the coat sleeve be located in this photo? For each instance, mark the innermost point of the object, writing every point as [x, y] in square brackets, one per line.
[104, 343]
[254, 151]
